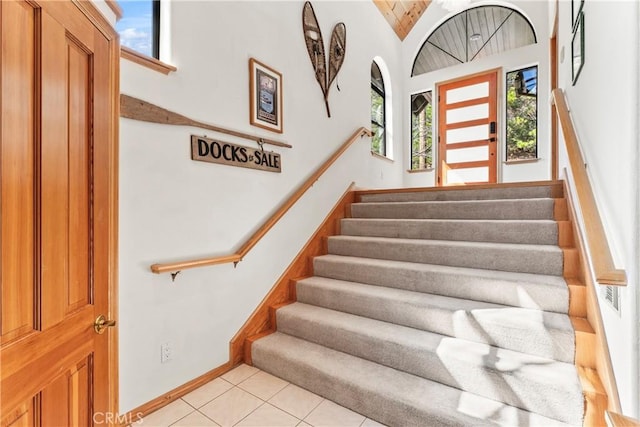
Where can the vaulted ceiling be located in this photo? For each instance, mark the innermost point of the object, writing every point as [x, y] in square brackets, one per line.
[402, 15]
[473, 33]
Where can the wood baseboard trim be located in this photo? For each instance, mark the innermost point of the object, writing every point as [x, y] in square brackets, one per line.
[577, 300]
[176, 393]
[595, 397]
[301, 266]
[602, 375]
[560, 210]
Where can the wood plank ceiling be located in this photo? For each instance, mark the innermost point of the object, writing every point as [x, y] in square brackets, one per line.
[402, 15]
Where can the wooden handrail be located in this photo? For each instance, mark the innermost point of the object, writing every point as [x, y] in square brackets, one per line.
[603, 265]
[255, 238]
[614, 419]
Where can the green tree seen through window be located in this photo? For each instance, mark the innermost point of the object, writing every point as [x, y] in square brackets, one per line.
[421, 131]
[522, 114]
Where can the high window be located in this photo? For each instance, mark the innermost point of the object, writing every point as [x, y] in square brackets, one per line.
[139, 27]
[378, 141]
[421, 131]
[522, 114]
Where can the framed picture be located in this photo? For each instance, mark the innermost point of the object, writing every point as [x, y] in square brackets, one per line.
[576, 8]
[265, 96]
[577, 48]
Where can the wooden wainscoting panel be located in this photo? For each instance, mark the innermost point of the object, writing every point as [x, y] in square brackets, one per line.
[280, 293]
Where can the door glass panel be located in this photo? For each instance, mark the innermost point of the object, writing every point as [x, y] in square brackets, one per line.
[471, 133]
[472, 154]
[473, 112]
[465, 93]
[460, 176]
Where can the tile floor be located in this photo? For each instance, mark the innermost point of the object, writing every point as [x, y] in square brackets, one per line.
[247, 396]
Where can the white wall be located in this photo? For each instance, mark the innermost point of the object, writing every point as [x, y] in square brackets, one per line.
[537, 54]
[173, 208]
[604, 109]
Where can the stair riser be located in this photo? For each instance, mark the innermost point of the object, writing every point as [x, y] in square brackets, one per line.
[350, 395]
[515, 294]
[480, 194]
[508, 258]
[535, 209]
[394, 398]
[444, 360]
[490, 326]
[534, 233]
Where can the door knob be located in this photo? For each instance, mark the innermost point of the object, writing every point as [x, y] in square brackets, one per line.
[101, 324]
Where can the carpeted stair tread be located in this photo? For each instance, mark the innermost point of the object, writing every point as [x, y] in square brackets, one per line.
[466, 209]
[538, 259]
[538, 191]
[540, 232]
[539, 385]
[524, 290]
[385, 394]
[536, 332]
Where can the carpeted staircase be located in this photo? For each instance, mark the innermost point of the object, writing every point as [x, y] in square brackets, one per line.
[437, 308]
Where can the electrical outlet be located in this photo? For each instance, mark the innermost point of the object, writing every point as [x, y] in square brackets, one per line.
[166, 352]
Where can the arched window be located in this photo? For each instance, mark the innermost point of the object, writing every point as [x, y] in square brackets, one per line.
[378, 119]
[471, 34]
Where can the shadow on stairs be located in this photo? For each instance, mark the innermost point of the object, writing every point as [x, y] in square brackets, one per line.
[452, 307]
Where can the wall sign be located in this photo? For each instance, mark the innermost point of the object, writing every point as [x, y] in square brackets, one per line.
[213, 151]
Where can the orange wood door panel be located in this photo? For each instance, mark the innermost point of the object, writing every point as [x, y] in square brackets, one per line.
[57, 156]
[467, 130]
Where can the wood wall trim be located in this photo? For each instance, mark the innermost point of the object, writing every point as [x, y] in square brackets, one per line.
[162, 401]
[284, 291]
[270, 222]
[146, 61]
[603, 364]
[115, 7]
[604, 267]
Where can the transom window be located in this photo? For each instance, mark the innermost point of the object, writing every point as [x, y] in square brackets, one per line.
[378, 141]
[472, 34]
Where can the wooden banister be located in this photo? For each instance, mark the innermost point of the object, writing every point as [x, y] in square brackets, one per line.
[604, 267]
[614, 419]
[269, 223]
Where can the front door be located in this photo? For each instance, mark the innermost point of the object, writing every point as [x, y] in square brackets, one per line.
[58, 199]
[467, 130]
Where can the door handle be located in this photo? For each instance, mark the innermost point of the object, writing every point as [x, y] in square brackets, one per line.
[492, 139]
[102, 323]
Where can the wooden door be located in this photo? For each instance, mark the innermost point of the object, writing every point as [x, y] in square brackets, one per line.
[467, 130]
[58, 198]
